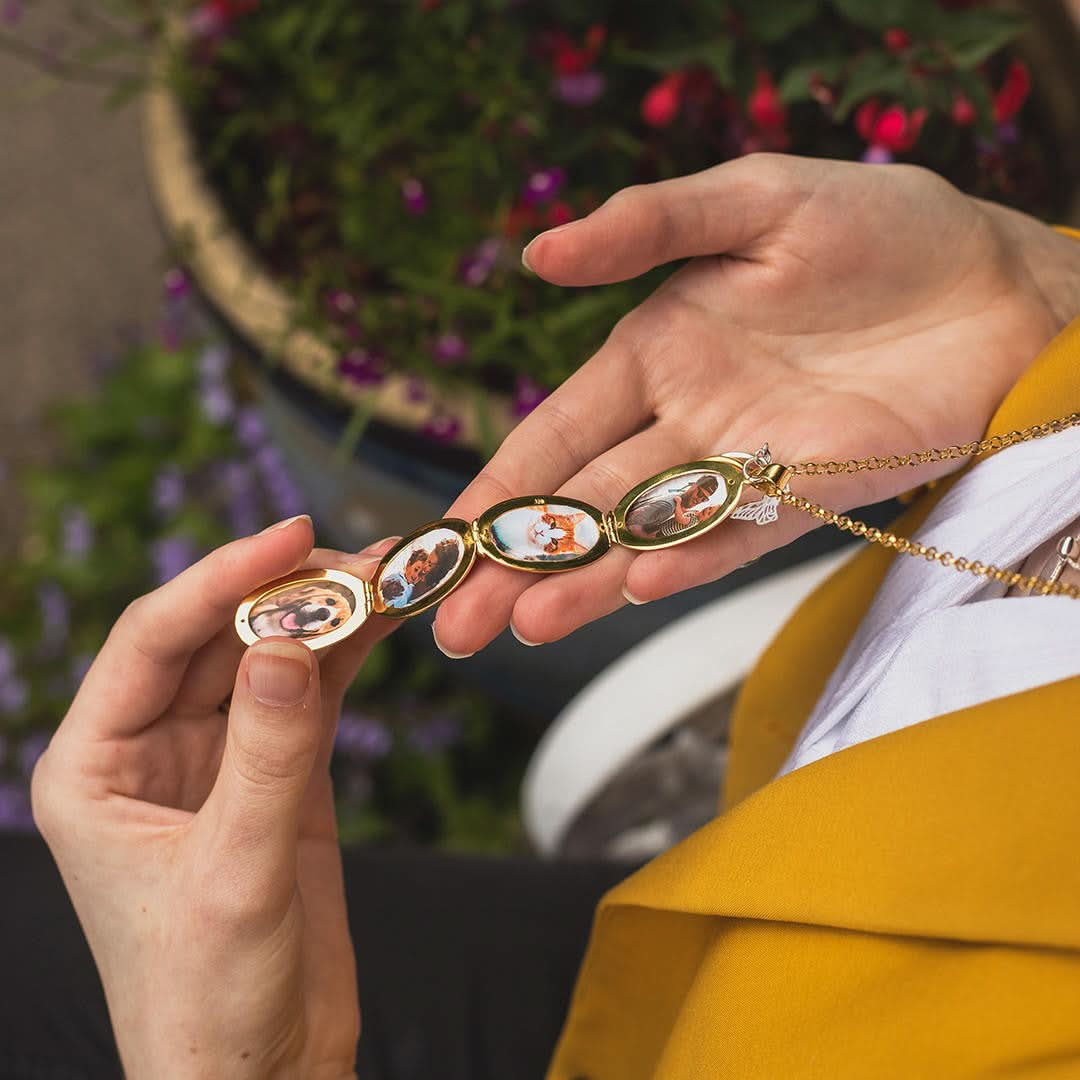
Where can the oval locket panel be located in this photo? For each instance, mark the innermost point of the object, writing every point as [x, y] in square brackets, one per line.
[542, 533]
[317, 607]
[678, 504]
[423, 568]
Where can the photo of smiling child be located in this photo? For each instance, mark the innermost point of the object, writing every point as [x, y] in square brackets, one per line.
[413, 573]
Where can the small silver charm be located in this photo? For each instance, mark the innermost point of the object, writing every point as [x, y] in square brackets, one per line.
[762, 512]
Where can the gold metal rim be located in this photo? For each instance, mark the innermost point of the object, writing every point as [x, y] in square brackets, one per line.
[729, 468]
[356, 585]
[461, 528]
[485, 540]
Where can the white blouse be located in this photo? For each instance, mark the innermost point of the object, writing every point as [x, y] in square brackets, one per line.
[935, 640]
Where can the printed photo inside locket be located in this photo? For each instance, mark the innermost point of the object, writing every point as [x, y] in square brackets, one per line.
[676, 505]
[302, 609]
[545, 533]
[419, 568]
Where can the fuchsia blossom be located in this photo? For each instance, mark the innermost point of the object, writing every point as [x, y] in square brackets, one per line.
[442, 426]
[527, 395]
[363, 367]
[450, 348]
[414, 196]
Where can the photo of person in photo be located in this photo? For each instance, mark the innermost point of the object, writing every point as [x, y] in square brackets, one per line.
[305, 609]
[423, 566]
[545, 533]
[676, 505]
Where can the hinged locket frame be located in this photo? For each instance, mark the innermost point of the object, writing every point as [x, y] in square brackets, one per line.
[728, 467]
[293, 588]
[434, 559]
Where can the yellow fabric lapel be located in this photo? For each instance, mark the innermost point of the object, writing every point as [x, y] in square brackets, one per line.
[792, 673]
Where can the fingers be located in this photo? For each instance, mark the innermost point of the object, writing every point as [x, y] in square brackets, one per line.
[726, 210]
[139, 668]
[250, 820]
[209, 677]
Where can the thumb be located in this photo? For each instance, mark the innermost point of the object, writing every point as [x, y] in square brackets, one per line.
[273, 736]
[725, 210]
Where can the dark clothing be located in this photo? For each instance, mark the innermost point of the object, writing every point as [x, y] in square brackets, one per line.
[465, 965]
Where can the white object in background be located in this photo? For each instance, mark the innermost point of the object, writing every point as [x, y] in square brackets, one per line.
[648, 691]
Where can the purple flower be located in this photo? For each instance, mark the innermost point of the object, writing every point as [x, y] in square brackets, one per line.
[362, 735]
[363, 367]
[416, 390]
[213, 363]
[168, 493]
[172, 555]
[580, 89]
[55, 615]
[7, 660]
[78, 535]
[543, 185]
[14, 694]
[339, 302]
[287, 498]
[177, 284]
[414, 196]
[31, 748]
[475, 267]
[450, 348]
[15, 806]
[527, 395]
[217, 403]
[438, 732]
[11, 12]
[206, 21]
[877, 155]
[1008, 133]
[250, 429]
[442, 426]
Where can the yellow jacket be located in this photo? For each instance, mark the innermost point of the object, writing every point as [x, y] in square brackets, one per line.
[908, 907]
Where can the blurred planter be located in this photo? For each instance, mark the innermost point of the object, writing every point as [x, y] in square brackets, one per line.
[397, 476]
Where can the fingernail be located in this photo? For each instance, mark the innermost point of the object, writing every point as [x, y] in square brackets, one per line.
[286, 523]
[524, 641]
[445, 651]
[550, 232]
[631, 598]
[279, 672]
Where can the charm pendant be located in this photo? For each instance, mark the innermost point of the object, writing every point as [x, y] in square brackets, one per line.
[762, 512]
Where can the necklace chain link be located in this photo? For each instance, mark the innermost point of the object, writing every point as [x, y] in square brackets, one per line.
[1009, 578]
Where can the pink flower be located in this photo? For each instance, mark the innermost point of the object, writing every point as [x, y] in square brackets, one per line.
[414, 196]
[892, 128]
[764, 106]
[542, 185]
[1013, 93]
[527, 395]
[662, 103]
[442, 426]
[449, 349]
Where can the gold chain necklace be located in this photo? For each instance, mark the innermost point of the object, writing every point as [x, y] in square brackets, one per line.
[545, 534]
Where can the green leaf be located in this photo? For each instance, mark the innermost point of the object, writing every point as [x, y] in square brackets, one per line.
[875, 73]
[775, 20]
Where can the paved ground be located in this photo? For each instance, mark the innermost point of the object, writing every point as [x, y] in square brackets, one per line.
[80, 250]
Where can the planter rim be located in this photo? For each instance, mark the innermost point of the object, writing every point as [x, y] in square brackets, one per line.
[233, 278]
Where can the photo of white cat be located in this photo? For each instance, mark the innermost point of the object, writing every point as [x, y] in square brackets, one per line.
[545, 533]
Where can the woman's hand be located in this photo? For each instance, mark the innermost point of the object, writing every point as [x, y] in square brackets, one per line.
[198, 842]
[834, 310]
